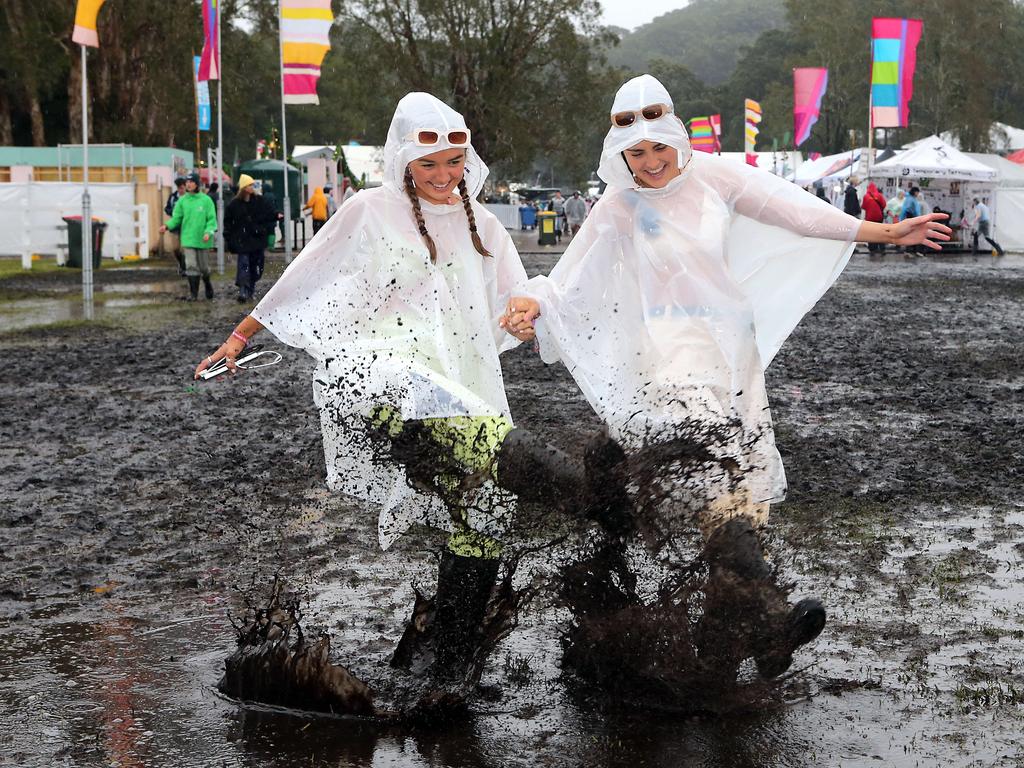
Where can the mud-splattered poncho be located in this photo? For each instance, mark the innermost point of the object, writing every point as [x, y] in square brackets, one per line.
[670, 303]
[388, 327]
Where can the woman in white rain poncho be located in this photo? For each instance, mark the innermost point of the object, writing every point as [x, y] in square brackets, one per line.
[398, 298]
[680, 288]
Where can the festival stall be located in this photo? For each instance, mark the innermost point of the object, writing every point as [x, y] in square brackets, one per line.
[948, 179]
[1009, 200]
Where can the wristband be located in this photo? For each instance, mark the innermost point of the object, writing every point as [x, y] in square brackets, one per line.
[236, 335]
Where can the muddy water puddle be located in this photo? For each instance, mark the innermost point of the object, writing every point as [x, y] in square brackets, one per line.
[111, 300]
[127, 532]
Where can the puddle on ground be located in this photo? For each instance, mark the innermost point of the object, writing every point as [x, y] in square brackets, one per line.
[24, 313]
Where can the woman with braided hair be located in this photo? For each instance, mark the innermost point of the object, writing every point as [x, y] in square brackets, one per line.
[398, 297]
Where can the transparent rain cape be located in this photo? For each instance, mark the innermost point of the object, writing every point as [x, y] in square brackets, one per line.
[390, 329]
[669, 304]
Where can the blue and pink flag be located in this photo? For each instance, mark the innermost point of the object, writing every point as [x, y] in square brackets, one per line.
[209, 62]
[809, 84]
[893, 60]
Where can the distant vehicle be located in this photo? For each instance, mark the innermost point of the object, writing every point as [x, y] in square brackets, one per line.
[537, 193]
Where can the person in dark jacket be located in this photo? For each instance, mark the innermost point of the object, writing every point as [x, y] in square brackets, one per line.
[248, 220]
[873, 206]
[851, 200]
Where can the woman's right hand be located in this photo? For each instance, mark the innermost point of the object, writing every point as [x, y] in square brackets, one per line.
[230, 349]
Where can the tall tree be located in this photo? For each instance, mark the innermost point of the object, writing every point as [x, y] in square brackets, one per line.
[523, 72]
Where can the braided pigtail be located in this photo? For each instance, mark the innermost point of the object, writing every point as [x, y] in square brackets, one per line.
[410, 190]
[477, 243]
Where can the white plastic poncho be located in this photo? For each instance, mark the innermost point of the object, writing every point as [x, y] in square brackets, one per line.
[669, 303]
[388, 327]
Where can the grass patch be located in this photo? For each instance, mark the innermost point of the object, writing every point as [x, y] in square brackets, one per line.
[11, 267]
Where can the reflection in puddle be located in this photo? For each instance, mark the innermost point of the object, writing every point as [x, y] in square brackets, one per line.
[24, 313]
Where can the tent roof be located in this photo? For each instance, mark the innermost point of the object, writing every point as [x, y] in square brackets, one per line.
[1010, 174]
[302, 152]
[1002, 137]
[827, 168]
[933, 158]
[366, 160]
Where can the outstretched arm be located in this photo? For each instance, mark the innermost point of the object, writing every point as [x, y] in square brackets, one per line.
[234, 345]
[920, 230]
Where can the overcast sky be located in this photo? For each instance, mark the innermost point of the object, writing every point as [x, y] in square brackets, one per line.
[632, 13]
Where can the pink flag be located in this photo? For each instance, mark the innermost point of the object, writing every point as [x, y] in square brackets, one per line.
[209, 62]
[809, 84]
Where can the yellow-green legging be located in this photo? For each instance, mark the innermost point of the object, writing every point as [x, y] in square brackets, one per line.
[473, 443]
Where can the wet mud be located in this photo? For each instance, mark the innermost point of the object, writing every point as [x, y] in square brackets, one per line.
[137, 506]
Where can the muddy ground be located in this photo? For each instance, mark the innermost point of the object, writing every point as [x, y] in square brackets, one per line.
[136, 509]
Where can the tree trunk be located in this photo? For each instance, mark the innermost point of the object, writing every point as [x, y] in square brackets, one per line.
[6, 128]
[35, 112]
[75, 98]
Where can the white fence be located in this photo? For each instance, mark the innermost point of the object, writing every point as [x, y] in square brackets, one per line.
[507, 214]
[31, 218]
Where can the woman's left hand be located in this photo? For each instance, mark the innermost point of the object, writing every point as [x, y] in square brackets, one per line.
[519, 316]
[922, 230]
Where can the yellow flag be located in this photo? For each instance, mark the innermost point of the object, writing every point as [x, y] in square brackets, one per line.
[85, 23]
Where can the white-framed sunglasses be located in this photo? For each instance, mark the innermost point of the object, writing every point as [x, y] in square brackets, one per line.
[650, 112]
[255, 357]
[457, 138]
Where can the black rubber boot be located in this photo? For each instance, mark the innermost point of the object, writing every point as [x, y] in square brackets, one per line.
[745, 612]
[209, 286]
[443, 634]
[536, 471]
[193, 289]
[464, 586]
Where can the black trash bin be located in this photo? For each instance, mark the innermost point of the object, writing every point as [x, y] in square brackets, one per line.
[75, 241]
[547, 228]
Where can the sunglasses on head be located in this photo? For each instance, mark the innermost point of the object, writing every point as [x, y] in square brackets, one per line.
[650, 112]
[433, 138]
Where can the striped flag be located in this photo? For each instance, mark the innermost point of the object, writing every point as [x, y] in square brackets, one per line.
[750, 130]
[305, 30]
[85, 23]
[209, 62]
[702, 135]
[809, 84]
[893, 60]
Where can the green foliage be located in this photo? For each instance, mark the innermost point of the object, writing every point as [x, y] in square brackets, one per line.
[531, 76]
[706, 36]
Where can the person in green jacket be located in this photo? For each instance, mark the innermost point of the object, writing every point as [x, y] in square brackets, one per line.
[196, 218]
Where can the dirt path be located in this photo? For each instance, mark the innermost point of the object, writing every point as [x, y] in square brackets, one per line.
[136, 505]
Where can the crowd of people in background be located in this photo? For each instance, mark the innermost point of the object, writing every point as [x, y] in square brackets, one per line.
[251, 219]
[973, 223]
[570, 213]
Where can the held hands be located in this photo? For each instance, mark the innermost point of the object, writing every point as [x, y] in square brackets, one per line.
[519, 316]
[230, 349]
[922, 230]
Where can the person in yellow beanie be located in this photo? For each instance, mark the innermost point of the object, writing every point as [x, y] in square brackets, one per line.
[248, 221]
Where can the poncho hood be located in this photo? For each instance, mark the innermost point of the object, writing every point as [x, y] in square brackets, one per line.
[422, 112]
[634, 95]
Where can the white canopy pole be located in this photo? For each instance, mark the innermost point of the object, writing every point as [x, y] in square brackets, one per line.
[284, 146]
[87, 293]
[220, 151]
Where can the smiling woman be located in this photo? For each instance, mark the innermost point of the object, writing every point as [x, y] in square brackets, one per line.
[652, 164]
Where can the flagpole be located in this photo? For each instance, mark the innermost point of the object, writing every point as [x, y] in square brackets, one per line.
[220, 150]
[87, 293]
[284, 144]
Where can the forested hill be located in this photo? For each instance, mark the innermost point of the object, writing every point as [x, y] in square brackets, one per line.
[705, 36]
